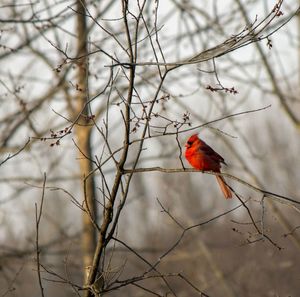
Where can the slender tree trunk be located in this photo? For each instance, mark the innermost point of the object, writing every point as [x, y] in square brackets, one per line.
[83, 138]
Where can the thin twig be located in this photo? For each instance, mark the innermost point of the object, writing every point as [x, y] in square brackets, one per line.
[38, 216]
[15, 154]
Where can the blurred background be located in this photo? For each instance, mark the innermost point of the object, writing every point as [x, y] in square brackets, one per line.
[66, 89]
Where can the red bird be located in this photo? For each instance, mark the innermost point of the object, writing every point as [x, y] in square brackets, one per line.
[201, 156]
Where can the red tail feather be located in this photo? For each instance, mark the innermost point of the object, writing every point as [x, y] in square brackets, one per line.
[226, 191]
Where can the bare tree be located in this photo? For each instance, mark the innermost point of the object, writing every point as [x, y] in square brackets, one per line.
[107, 93]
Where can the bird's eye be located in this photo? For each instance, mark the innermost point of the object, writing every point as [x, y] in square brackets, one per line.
[189, 143]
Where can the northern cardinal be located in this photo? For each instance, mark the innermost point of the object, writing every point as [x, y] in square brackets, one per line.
[201, 156]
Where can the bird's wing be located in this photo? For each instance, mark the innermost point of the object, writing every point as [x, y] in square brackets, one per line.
[209, 152]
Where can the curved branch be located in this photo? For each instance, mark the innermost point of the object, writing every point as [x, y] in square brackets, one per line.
[241, 181]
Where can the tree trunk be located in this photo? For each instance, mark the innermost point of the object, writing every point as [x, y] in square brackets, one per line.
[83, 138]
